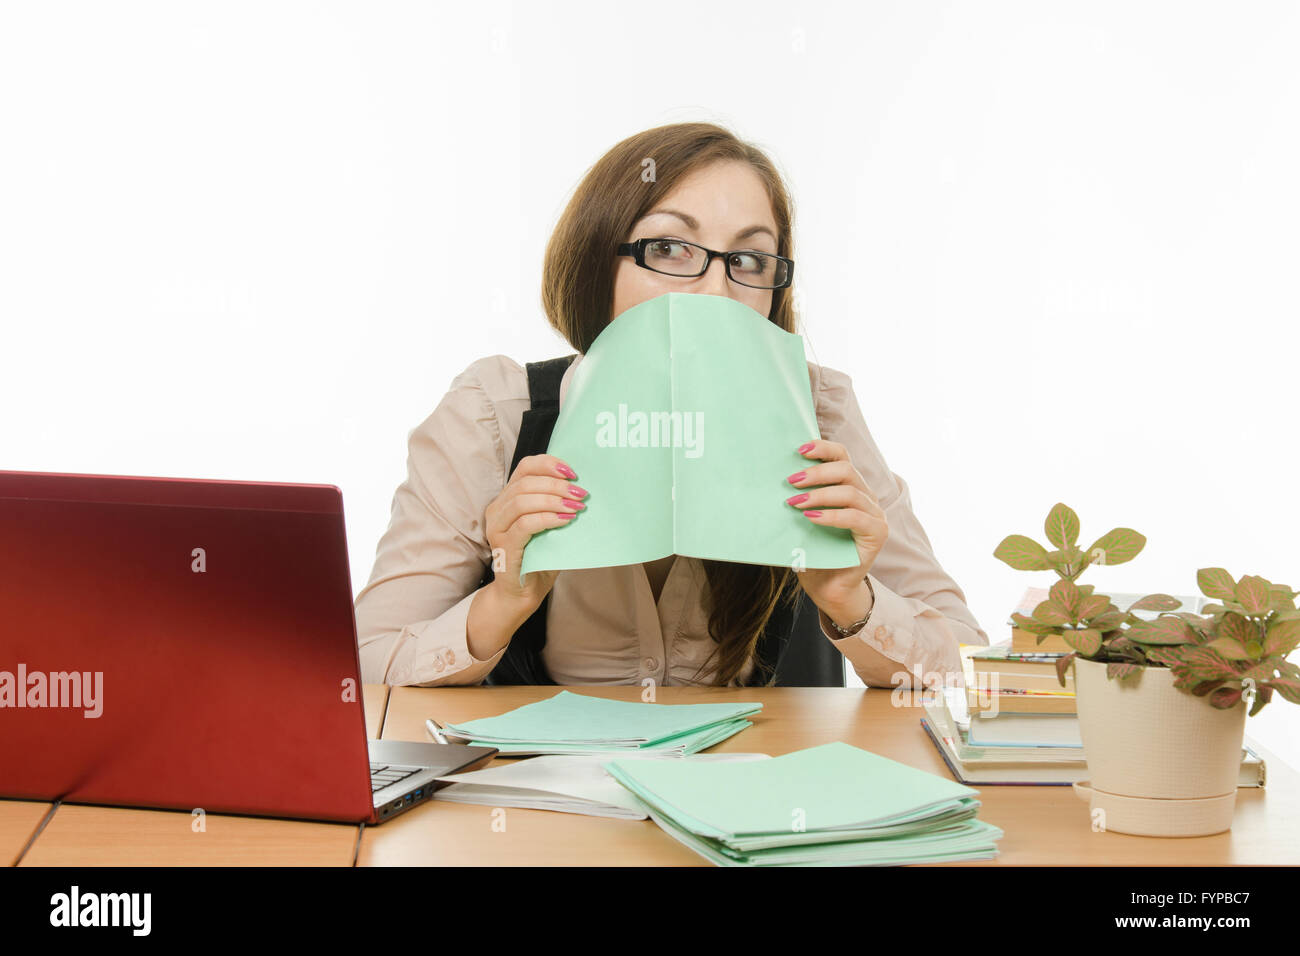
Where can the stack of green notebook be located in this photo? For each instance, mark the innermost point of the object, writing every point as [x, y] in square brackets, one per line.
[571, 723]
[832, 805]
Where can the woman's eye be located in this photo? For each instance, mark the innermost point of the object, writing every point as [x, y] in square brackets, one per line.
[749, 262]
[667, 249]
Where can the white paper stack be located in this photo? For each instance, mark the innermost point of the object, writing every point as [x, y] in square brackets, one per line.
[569, 784]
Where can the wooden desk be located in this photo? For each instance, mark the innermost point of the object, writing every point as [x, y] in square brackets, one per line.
[1042, 825]
[112, 836]
[18, 821]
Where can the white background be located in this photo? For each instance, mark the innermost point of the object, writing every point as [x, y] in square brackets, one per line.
[1054, 244]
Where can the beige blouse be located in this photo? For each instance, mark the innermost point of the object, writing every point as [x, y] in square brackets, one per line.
[604, 625]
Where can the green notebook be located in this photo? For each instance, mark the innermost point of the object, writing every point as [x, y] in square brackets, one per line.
[682, 421]
[834, 804]
[576, 723]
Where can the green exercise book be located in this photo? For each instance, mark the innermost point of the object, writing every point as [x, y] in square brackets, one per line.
[570, 723]
[682, 421]
[830, 805]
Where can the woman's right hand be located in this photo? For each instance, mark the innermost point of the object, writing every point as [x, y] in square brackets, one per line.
[539, 495]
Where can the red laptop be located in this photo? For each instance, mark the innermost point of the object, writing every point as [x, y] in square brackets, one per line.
[186, 644]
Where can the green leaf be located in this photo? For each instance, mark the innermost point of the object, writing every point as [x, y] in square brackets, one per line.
[1087, 641]
[1065, 595]
[1063, 665]
[1029, 624]
[1117, 546]
[1049, 612]
[1200, 627]
[1122, 669]
[1202, 659]
[1259, 673]
[1022, 553]
[1254, 594]
[1062, 526]
[1288, 687]
[1283, 598]
[1225, 697]
[1156, 602]
[1238, 629]
[1163, 630]
[1232, 650]
[1216, 583]
[1057, 560]
[1092, 605]
[1283, 637]
[1168, 656]
[1109, 621]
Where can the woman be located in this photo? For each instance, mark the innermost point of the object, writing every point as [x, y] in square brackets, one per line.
[424, 619]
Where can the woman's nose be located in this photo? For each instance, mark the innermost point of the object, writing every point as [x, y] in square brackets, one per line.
[715, 281]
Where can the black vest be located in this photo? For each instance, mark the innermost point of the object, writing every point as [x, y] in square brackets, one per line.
[793, 637]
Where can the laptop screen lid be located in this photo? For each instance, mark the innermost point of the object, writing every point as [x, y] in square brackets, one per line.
[179, 643]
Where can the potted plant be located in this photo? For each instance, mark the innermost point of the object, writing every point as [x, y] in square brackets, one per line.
[1185, 679]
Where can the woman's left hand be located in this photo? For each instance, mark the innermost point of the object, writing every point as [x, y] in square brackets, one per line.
[833, 493]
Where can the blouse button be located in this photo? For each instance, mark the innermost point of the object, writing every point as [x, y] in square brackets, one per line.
[651, 663]
[451, 658]
[438, 664]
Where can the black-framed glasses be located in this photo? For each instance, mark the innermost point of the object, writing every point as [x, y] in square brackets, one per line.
[677, 257]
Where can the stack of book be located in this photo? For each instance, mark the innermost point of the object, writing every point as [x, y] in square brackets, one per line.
[1003, 680]
[1021, 749]
[569, 723]
[831, 805]
[1015, 723]
[1019, 676]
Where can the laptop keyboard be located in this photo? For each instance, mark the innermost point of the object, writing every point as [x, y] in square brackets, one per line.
[384, 775]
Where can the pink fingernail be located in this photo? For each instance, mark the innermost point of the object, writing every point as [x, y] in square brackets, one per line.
[804, 449]
[797, 499]
[575, 505]
[812, 514]
[797, 477]
[566, 471]
[566, 514]
[579, 492]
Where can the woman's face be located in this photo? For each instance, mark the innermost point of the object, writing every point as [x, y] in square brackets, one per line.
[723, 206]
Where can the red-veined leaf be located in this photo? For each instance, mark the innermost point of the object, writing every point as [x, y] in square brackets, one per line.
[1163, 630]
[1065, 595]
[1117, 546]
[1254, 594]
[1156, 602]
[1049, 612]
[1283, 637]
[1062, 526]
[1216, 583]
[1226, 697]
[1062, 665]
[1086, 641]
[1237, 628]
[1022, 553]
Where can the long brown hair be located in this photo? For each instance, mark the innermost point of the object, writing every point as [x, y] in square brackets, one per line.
[578, 295]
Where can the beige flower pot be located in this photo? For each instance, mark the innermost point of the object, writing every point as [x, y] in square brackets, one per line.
[1161, 762]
